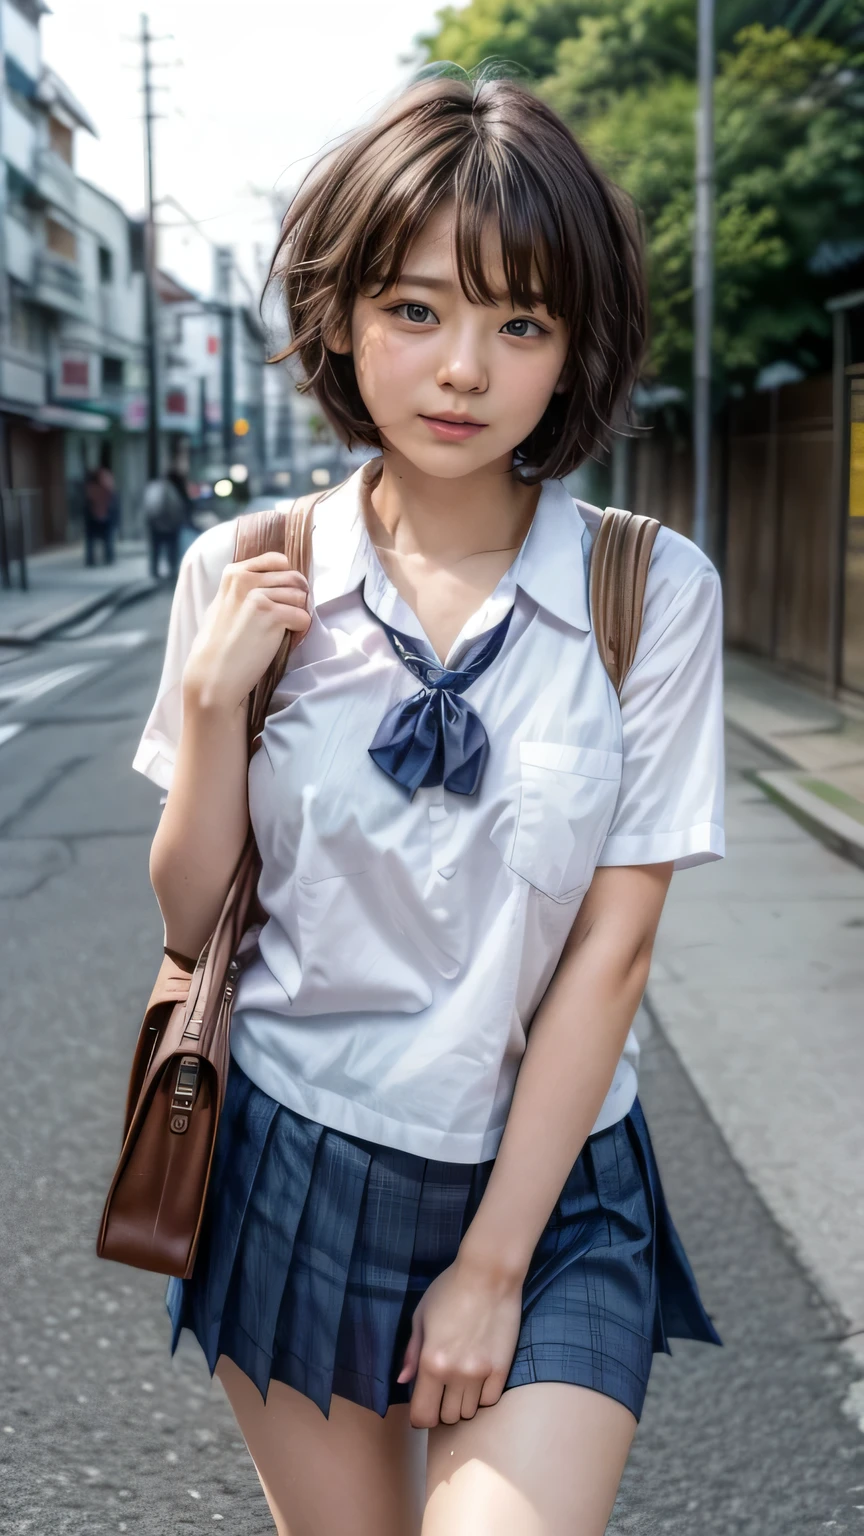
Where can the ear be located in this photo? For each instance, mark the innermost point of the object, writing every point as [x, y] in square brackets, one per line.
[336, 336]
[339, 342]
[565, 379]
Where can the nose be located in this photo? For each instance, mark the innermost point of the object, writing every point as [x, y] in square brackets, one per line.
[463, 365]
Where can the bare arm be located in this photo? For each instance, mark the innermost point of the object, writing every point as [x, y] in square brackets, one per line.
[465, 1333]
[203, 827]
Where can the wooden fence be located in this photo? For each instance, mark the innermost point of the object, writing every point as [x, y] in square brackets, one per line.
[772, 515]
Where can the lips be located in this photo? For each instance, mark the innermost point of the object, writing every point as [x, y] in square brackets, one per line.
[453, 429]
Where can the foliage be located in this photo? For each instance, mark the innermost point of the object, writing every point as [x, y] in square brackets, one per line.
[525, 32]
[789, 114]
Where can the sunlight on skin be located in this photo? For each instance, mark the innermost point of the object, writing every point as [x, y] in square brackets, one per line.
[546, 1460]
[422, 347]
[478, 1497]
[452, 386]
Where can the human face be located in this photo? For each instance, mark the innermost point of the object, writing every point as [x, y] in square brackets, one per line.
[451, 385]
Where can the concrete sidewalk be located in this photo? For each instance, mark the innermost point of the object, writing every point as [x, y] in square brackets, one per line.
[820, 741]
[757, 981]
[63, 591]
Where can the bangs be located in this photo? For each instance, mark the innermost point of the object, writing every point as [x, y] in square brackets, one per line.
[508, 167]
[492, 199]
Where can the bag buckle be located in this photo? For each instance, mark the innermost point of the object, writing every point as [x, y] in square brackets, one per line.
[185, 1089]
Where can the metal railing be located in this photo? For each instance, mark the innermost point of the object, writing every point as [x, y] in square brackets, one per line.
[20, 533]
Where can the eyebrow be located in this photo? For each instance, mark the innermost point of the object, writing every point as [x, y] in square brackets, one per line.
[439, 284]
[424, 282]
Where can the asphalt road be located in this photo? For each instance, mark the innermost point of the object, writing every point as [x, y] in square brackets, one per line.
[99, 1430]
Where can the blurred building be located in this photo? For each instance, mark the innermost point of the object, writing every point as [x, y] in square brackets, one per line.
[41, 283]
[73, 380]
[309, 449]
[98, 358]
[213, 360]
[302, 447]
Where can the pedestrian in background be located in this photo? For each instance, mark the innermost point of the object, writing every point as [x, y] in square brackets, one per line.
[434, 1202]
[167, 507]
[101, 509]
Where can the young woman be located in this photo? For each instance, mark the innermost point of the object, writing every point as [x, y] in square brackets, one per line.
[466, 842]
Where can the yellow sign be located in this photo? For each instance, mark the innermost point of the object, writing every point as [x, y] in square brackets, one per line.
[241, 426]
[856, 469]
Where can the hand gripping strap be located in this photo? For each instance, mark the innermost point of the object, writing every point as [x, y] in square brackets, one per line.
[620, 557]
[289, 533]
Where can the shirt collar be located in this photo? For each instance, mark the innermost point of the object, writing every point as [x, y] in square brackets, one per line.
[341, 545]
[550, 568]
[551, 565]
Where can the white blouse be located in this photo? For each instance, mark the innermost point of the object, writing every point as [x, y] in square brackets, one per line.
[410, 941]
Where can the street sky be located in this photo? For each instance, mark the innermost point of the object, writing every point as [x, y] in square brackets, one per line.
[254, 89]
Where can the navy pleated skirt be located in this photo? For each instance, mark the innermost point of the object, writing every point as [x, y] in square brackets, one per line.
[317, 1247]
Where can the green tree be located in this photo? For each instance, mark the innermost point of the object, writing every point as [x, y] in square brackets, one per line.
[790, 176]
[525, 32]
[627, 41]
[790, 154]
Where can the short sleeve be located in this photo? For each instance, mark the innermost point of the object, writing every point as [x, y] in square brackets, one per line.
[197, 585]
[670, 805]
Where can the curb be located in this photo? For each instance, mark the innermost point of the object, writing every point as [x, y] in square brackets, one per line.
[113, 598]
[765, 743]
[841, 833]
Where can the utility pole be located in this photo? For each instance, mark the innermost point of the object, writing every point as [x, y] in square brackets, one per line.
[224, 258]
[151, 311]
[703, 277]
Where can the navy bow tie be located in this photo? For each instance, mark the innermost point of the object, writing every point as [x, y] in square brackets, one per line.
[435, 737]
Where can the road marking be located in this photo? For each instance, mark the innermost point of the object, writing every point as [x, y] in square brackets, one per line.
[26, 689]
[123, 640]
[8, 731]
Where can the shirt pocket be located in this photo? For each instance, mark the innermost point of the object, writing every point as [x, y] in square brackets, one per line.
[567, 798]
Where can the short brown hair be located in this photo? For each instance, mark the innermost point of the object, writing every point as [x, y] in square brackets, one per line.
[497, 152]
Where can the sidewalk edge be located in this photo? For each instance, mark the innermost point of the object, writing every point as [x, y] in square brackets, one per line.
[112, 597]
[760, 739]
[832, 826]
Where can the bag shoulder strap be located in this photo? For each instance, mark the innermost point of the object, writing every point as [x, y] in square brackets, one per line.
[287, 532]
[620, 557]
[258, 533]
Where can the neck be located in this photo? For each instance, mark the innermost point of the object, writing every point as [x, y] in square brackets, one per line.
[410, 512]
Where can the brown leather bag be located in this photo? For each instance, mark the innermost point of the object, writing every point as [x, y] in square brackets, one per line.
[153, 1213]
[155, 1205]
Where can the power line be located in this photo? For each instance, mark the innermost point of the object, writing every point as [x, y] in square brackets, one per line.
[192, 223]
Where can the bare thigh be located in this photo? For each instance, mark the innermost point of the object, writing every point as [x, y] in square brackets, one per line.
[546, 1460]
[354, 1474]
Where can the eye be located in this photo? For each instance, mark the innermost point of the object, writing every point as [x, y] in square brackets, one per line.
[522, 328]
[416, 314]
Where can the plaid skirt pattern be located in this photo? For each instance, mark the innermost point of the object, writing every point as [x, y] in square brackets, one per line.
[317, 1247]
